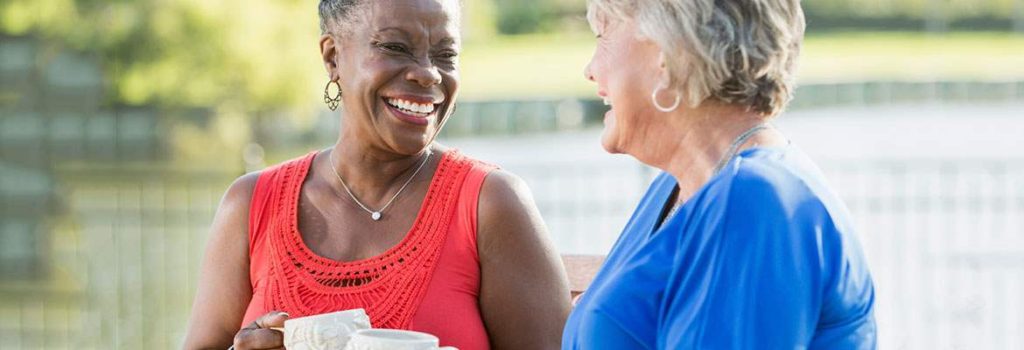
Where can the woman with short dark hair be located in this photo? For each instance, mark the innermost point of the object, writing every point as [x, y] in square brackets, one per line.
[387, 219]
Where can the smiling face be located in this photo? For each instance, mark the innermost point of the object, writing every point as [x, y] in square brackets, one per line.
[626, 68]
[398, 70]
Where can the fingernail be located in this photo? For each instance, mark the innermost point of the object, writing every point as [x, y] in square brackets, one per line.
[285, 314]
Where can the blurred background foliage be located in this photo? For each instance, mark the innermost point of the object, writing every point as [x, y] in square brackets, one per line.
[250, 56]
[187, 53]
[528, 16]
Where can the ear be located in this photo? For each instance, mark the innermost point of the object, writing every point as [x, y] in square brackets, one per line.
[664, 76]
[329, 55]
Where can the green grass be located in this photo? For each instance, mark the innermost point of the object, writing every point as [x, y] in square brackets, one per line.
[913, 56]
[552, 65]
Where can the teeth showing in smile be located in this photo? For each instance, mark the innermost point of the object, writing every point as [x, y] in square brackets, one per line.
[420, 109]
[606, 101]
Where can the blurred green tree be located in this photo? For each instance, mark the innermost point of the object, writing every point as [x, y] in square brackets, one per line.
[928, 15]
[252, 55]
[245, 56]
[528, 16]
[532, 16]
[523, 16]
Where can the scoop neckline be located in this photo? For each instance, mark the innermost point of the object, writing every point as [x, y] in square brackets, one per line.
[392, 251]
[658, 226]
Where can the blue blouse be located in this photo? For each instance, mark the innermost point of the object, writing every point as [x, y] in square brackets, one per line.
[762, 257]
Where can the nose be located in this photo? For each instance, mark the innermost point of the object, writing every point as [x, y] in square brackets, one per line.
[588, 71]
[425, 75]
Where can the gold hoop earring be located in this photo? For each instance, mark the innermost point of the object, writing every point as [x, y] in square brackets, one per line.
[332, 102]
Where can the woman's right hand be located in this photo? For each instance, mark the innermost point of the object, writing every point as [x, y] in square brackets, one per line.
[260, 335]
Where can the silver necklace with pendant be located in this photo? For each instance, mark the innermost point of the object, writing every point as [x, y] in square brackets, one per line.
[376, 214]
[729, 154]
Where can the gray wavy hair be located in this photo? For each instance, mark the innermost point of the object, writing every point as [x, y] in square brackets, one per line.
[337, 15]
[740, 52]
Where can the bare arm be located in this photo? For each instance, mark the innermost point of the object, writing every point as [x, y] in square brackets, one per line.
[224, 288]
[524, 292]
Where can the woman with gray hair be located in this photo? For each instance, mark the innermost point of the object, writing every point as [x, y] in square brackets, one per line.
[739, 243]
[386, 220]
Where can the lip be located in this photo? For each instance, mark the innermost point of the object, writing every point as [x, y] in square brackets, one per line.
[409, 118]
[418, 98]
[603, 95]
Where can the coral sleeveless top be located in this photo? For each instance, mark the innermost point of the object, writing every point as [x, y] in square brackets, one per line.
[429, 282]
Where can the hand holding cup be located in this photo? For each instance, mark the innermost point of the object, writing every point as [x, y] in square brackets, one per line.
[262, 333]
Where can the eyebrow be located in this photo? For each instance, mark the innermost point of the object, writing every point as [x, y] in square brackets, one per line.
[394, 29]
[444, 41]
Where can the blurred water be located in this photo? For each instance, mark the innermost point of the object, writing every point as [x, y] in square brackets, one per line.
[937, 192]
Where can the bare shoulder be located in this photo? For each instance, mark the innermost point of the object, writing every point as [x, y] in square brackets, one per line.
[523, 286]
[223, 291]
[231, 223]
[507, 214]
[232, 218]
[238, 196]
[502, 191]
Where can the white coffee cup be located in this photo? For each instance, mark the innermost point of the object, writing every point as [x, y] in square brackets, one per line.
[330, 331]
[393, 339]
